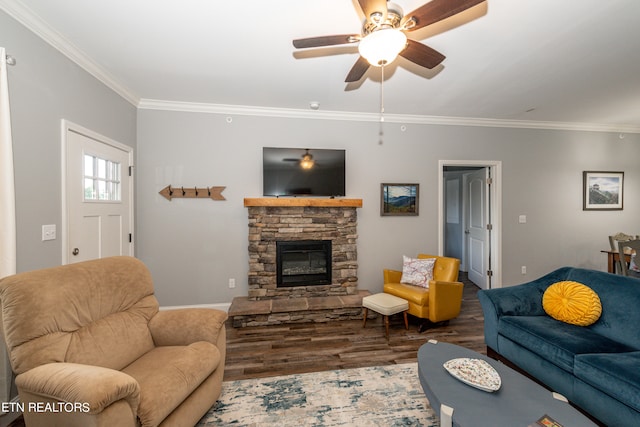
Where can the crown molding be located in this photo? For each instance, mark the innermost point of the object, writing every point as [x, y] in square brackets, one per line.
[39, 27]
[194, 107]
[34, 23]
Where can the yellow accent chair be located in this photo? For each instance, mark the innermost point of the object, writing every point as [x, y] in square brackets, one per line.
[437, 304]
[90, 347]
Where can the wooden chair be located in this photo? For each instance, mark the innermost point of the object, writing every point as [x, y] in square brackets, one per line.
[620, 237]
[614, 240]
[628, 270]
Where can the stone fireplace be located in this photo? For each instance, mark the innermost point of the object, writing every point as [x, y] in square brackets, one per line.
[318, 282]
[269, 225]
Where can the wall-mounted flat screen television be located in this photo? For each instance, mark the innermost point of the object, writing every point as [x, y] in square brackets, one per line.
[303, 172]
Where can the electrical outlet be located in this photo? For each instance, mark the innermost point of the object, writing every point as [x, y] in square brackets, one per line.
[232, 283]
[524, 269]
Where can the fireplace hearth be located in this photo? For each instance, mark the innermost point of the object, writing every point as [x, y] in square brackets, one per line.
[303, 263]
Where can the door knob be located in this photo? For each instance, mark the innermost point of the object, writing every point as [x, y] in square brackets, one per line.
[75, 251]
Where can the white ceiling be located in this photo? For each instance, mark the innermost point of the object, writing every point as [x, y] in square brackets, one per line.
[568, 61]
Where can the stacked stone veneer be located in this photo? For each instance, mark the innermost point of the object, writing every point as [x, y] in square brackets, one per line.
[267, 225]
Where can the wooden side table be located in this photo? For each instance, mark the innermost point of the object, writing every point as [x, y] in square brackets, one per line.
[612, 259]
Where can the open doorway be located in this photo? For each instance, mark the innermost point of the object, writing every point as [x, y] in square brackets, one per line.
[469, 218]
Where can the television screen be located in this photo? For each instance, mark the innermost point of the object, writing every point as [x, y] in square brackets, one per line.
[303, 172]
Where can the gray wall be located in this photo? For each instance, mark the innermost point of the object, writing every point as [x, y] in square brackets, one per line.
[44, 88]
[194, 246]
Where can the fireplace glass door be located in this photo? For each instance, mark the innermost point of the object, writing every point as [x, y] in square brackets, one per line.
[303, 262]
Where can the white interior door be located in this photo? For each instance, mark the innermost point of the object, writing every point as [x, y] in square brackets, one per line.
[492, 211]
[98, 194]
[478, 228]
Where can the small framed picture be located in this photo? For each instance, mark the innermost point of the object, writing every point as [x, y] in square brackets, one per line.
[602, 190]
[399, 199]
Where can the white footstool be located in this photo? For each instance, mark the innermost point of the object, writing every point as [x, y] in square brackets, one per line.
[385, 304]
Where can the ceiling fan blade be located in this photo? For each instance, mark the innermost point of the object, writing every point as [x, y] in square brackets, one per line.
[357, 71]
[437, 10]
[326, 40]
[422, 55]
[369, 7]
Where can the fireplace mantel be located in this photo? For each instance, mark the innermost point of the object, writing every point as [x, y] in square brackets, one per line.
[300, 201]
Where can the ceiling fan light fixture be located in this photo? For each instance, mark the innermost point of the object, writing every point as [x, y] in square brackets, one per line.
[307, 161]
[383, 46]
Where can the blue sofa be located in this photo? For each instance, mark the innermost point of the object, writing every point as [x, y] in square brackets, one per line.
[596, 367]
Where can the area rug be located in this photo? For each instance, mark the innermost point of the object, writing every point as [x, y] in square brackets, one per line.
[375, 396]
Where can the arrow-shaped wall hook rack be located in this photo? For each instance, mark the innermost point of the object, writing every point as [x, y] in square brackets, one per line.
[214, 193]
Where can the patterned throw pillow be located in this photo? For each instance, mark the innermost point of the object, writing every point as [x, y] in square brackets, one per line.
[417, 272]
[572, 302]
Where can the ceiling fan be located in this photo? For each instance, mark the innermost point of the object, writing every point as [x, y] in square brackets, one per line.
[383, 35]
[305, 161]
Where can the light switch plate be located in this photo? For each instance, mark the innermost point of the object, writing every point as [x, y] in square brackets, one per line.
[48, 232]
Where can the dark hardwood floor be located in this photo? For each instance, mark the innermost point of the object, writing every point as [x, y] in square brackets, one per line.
[265, 351]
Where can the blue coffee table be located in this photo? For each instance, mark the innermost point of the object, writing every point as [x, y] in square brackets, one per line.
[519, 401]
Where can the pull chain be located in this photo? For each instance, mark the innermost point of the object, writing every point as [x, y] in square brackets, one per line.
[381, 132]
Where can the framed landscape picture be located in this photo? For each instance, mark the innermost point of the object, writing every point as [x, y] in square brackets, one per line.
[602, 190]
[399, 199]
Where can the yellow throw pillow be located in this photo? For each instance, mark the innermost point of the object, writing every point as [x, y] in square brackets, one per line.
[572, 302]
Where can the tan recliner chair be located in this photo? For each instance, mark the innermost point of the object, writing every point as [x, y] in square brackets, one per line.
[439, 303]
[90, 348]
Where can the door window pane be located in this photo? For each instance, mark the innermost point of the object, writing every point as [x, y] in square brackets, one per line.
[89, 192]
[101, 179]
[102, 168]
